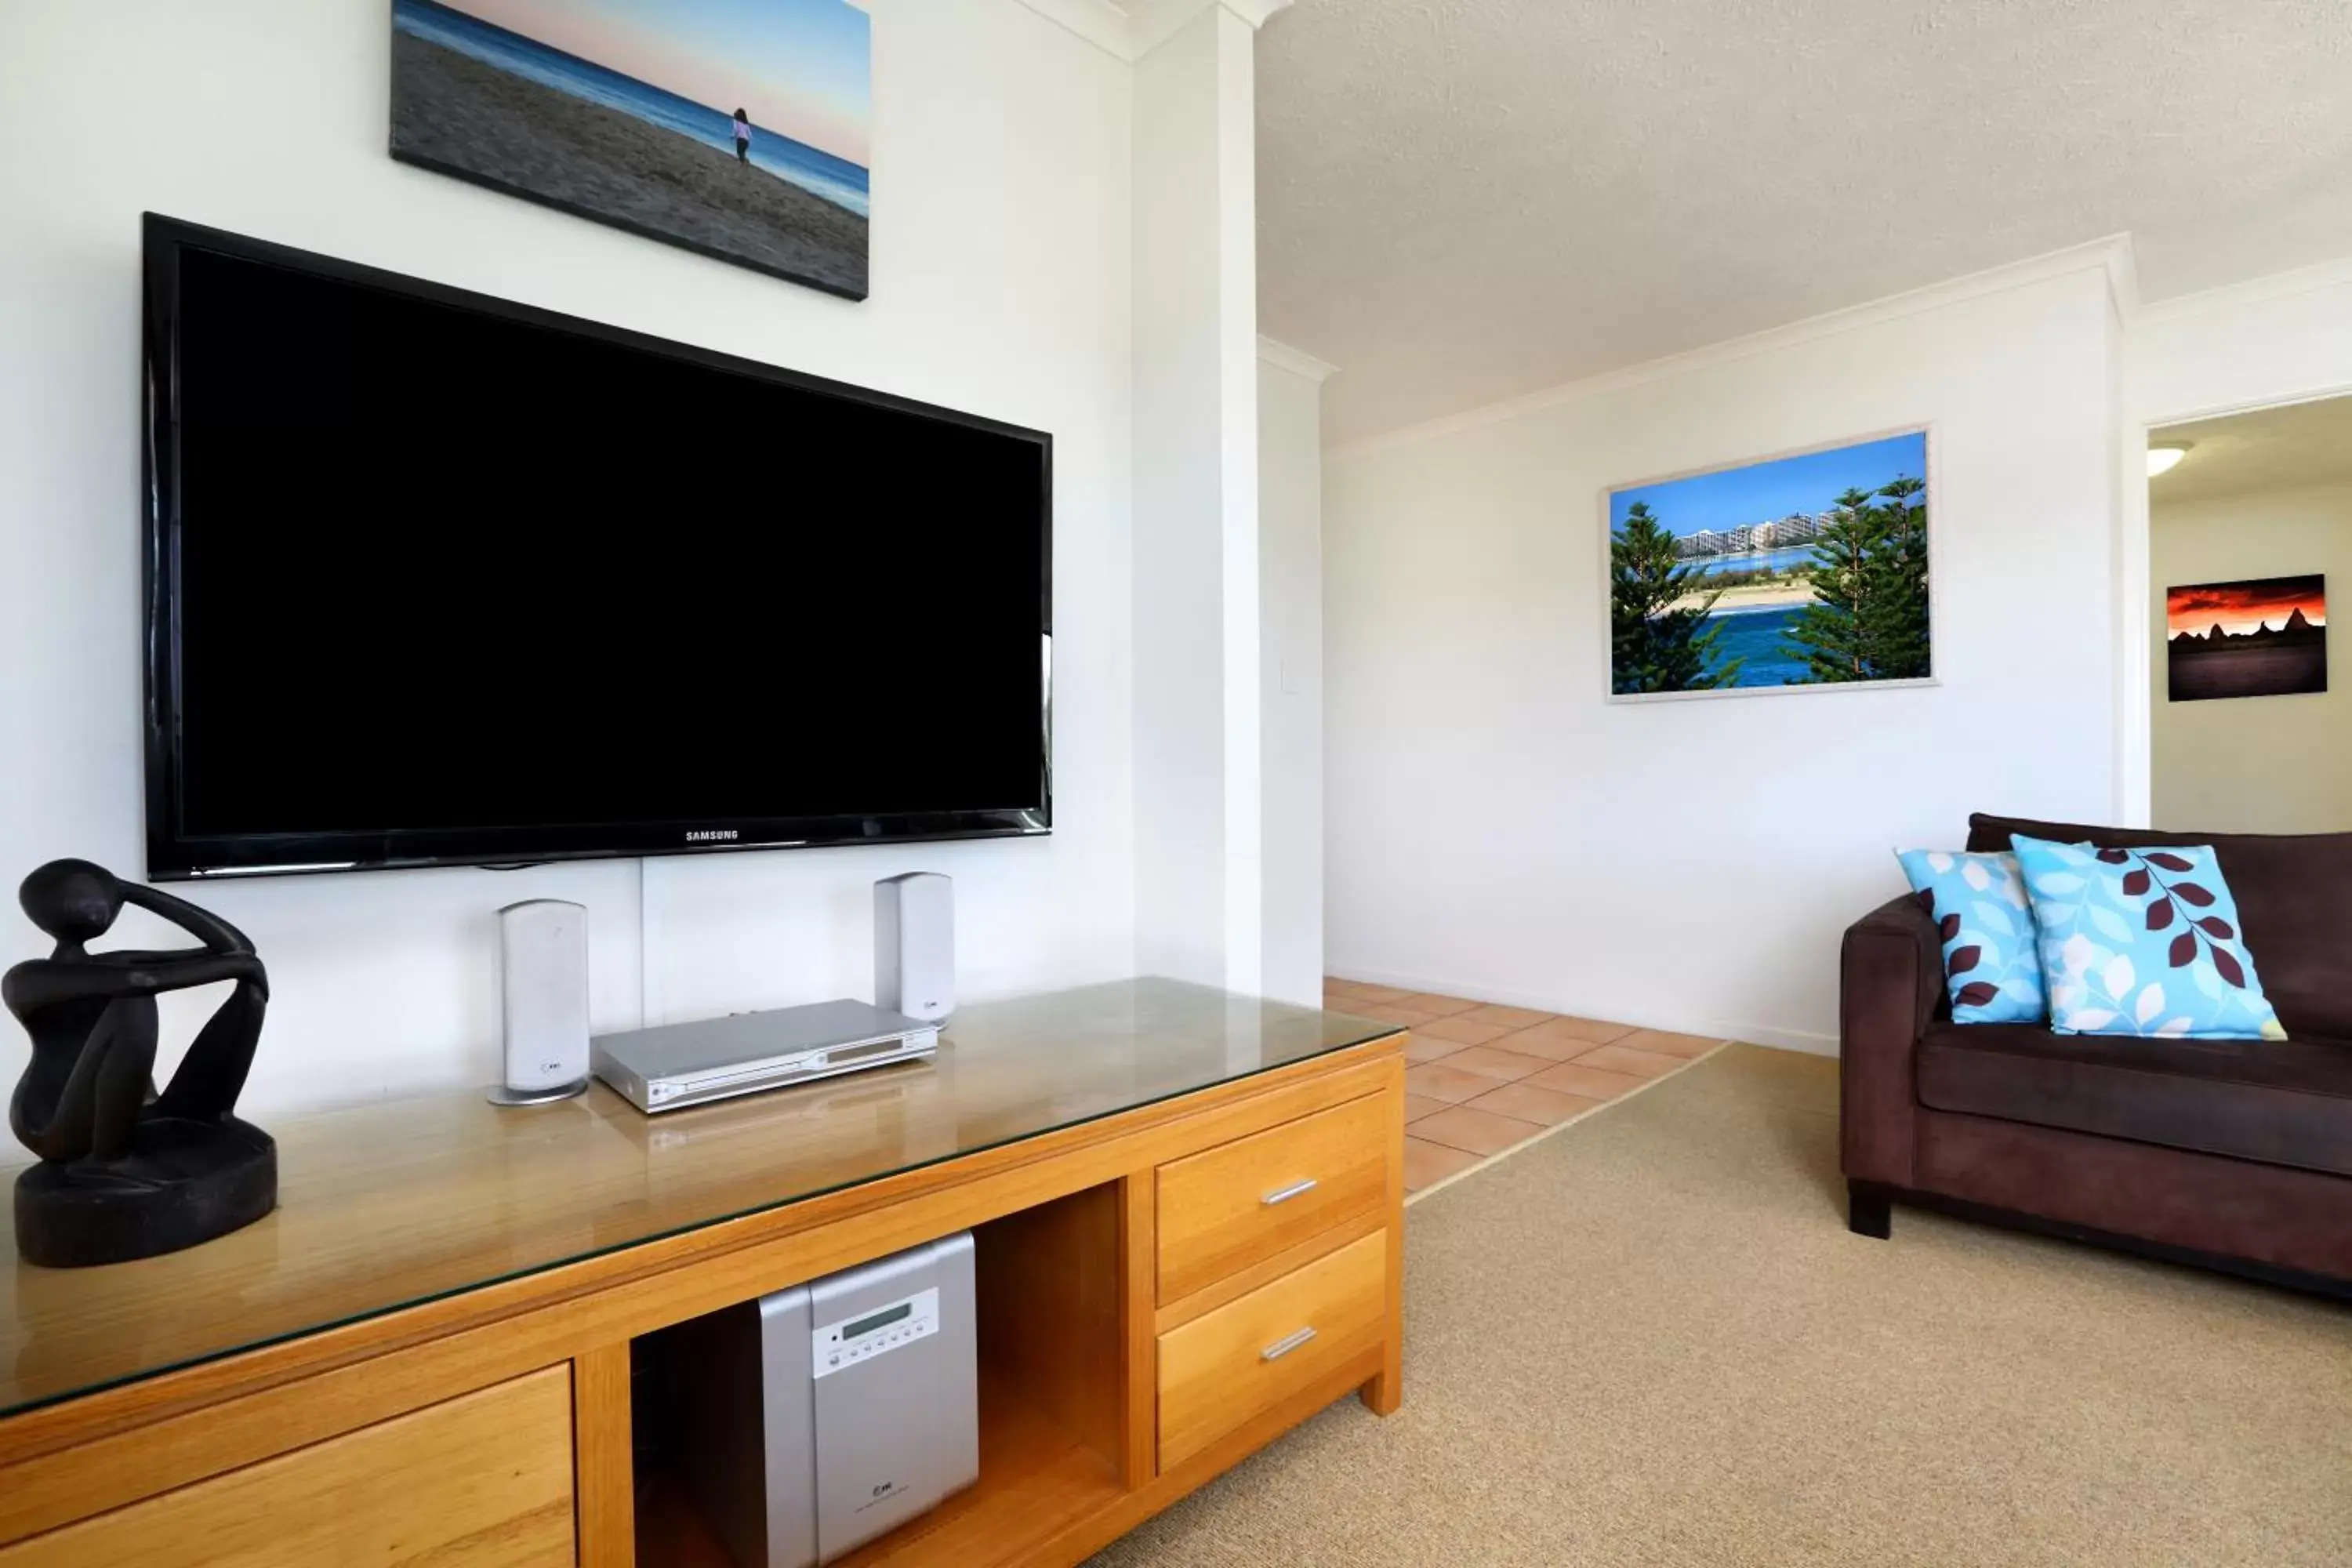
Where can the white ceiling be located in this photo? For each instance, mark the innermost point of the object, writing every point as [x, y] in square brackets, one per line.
[1461, 200]
[2292, 447]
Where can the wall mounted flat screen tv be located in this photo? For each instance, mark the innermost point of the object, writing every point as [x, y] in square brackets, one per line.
[436, 578]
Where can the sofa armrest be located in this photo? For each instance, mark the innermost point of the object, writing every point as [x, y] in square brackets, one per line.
[1890, 986]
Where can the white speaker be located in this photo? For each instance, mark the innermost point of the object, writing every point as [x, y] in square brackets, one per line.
[543, 986]
[914, 945]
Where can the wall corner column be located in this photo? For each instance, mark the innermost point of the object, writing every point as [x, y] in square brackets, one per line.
[1198, 769]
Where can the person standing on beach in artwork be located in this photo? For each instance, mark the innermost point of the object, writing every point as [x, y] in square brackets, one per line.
[742, 138]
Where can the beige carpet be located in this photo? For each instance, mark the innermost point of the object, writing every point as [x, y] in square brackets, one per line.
[1650, 1340]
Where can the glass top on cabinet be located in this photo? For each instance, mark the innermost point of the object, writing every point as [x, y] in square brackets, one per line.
[391, 1205]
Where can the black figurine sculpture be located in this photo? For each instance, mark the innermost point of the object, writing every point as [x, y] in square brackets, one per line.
[126, 1172]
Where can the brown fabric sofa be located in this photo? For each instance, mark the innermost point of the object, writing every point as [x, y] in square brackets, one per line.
[2232, 1153]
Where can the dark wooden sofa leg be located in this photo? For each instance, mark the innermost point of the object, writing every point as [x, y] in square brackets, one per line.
[1867, 1211]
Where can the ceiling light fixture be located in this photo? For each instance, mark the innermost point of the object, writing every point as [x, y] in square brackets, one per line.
[2165, 459]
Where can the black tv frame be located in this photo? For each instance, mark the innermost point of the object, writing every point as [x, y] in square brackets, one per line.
[175, 855]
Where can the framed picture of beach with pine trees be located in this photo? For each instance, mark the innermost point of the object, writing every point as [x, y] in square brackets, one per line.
[1807, 572]
[734, 128]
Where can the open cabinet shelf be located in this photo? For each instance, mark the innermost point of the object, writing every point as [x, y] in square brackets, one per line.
[1035, 1477]
[1052, 1386]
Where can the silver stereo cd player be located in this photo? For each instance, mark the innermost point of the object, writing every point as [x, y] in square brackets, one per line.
[680, 1065]
[817, 1417]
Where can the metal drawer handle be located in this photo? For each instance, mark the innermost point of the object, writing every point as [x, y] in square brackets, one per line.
[1284, 1345]
[1284, 1194]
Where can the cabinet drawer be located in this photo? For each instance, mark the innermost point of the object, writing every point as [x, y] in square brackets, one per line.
[484, 1480]
[1243, 1201]
[1220, 1369]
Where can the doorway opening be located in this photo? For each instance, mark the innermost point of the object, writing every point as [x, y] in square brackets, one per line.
[2250, 529]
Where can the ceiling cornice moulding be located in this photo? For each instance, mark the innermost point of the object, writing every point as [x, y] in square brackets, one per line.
[1157, 21]
[1298, 362]
[1130, 29]
[1105, 23]
[2111, 256]
[2337, 274]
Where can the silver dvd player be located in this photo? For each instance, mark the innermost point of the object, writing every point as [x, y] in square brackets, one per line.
[680, 1065]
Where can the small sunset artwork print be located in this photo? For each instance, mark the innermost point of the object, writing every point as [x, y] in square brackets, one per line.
[2267, 638]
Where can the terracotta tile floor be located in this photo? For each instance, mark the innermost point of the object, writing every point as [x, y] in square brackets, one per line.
[1485, 1078]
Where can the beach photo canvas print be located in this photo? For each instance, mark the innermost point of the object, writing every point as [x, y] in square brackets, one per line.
[735, 127]
[1803, 571]
[2265, 637]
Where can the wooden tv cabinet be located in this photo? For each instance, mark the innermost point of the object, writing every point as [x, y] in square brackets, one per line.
[426, 1355]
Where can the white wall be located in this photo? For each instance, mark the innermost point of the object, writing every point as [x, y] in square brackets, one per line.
[1002, 283]
[1290, 596]
[1496, 828]
[2257, 765]
[1198, 772]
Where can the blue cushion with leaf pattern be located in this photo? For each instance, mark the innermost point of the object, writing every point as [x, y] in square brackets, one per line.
[1991, 965]
[2142, 941]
